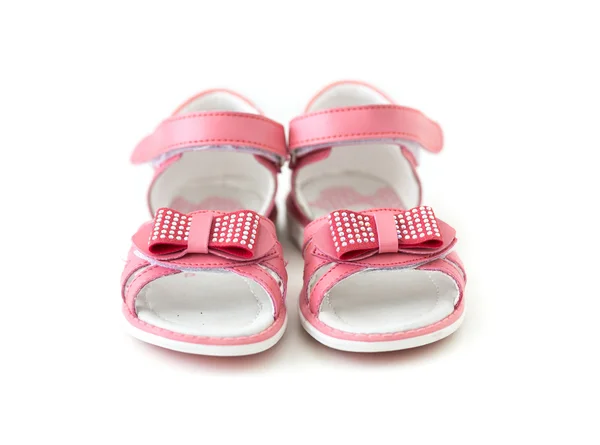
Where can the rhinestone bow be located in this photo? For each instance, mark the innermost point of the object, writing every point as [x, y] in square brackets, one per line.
[233, 233]
[355, 234]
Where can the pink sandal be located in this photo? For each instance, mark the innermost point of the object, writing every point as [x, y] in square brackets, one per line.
[377, 277]
[207, 275]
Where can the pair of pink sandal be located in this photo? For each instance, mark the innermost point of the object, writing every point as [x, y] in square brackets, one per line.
[207, 274]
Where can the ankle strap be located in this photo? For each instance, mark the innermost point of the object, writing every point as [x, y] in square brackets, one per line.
[244, 132]
[385, 123]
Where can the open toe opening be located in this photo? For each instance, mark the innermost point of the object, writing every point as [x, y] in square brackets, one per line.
[389, 301]
[221, 179]
[207, 303]
[360, 176]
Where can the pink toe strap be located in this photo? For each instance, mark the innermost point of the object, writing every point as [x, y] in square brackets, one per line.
[340, 271]
[349, 242]
[332, 277]
[245, 132]
[337, 126]
[241, 242]
[449, 268]
[140, 280]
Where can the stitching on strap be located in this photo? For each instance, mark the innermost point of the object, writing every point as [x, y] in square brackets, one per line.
[344, 135]
[205, 141]
[364, 108]
[240, 116]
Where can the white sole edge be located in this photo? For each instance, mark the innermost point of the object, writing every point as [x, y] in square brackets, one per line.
[380, 346]
[213, 350]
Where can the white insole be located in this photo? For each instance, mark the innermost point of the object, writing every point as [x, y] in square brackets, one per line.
[214, 180]
[219, 192]
[211, 303]
[357, 177]
[386, 301]
[352, 190]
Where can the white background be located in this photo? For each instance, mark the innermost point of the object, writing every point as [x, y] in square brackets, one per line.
[515, 87]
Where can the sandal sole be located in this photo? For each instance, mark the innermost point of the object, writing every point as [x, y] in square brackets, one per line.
[212, 350]
[379, 346]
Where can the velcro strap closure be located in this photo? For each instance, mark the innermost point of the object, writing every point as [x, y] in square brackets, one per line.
[387, 123]
[240, 131]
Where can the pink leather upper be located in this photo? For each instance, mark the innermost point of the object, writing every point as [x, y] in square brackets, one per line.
[369, 122]
[320, 249]
[253, 132]
[199, 252]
